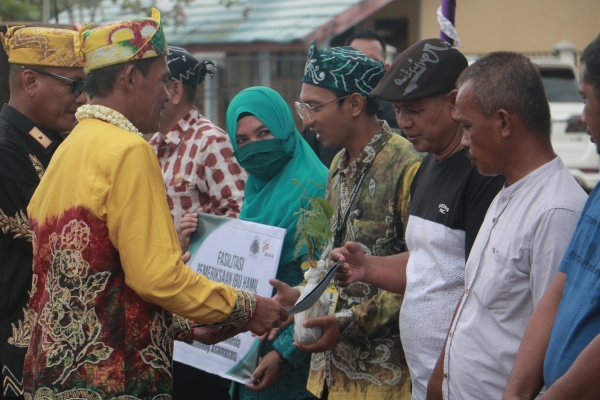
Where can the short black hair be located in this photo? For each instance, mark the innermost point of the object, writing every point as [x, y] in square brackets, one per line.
[591, 58]
[509, 81]
[189, 93]
[372, 103]
[101, 82]
[366, 34]
[14, 72]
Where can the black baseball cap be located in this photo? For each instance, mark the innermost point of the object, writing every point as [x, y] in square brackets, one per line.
[426, 68]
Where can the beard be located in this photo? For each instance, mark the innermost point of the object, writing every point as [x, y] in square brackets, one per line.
[470, 156]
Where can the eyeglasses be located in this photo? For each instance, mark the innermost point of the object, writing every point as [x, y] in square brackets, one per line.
[78, 86]
[304, 110]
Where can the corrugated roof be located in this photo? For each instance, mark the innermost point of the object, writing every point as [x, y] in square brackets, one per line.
[209, 22]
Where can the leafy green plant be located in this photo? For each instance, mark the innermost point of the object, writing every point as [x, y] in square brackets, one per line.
[312, 228]
[175, 16]
[19, 10]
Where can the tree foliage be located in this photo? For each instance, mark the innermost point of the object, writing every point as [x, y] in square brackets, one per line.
[175, 15]
[86, 11]
[20, 10]
[229, 3]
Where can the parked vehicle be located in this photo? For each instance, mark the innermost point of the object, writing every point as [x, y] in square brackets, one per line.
[569, 134]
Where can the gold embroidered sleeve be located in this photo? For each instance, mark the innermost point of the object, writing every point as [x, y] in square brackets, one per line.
[22, 331]
[39, 168]
[182, 329]
[17, 225]
[243, 310]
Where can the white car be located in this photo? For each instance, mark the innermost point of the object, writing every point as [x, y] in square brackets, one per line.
[569, 134]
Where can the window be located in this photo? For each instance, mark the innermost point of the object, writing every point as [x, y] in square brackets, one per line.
[560, 85]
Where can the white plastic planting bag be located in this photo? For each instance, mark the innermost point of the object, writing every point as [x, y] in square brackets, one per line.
[321, 307]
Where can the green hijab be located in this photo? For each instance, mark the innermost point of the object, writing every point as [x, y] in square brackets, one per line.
[274, 200]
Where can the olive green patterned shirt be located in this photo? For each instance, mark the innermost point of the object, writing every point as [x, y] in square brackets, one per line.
[369, 362]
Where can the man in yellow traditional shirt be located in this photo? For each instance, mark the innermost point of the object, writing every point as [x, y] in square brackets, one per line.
[109, 289]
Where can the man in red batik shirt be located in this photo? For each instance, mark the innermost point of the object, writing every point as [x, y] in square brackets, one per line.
[195, 155]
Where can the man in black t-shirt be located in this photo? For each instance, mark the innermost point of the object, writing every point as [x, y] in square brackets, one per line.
[449, 202]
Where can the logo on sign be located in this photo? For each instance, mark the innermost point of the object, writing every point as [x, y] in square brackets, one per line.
[254, 247]
[267, 256]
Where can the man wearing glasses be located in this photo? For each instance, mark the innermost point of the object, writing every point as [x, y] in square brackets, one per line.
[46, 88]
[359, 353]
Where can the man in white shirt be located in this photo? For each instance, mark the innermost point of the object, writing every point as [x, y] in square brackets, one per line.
[561, 345]
[506, 120]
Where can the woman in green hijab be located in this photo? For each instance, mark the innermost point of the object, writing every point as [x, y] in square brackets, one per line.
[270, 148]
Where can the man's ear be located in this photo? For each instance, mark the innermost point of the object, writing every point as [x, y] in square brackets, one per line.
[357, 104]
[28, 81]
[129, 78]
[505, 120]
[451, 98]
[176, 92]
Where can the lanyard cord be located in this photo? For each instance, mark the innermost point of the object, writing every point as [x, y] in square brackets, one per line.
[337, 239]
[339, 232]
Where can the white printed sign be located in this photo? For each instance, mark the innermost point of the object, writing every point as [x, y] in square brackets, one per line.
[244, 255]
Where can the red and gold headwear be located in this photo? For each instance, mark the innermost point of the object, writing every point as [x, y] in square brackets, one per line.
[123, 41]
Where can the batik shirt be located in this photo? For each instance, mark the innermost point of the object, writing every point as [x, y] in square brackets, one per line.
[199, 169]
[107, 275]
[369, 361]
[25, 152]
